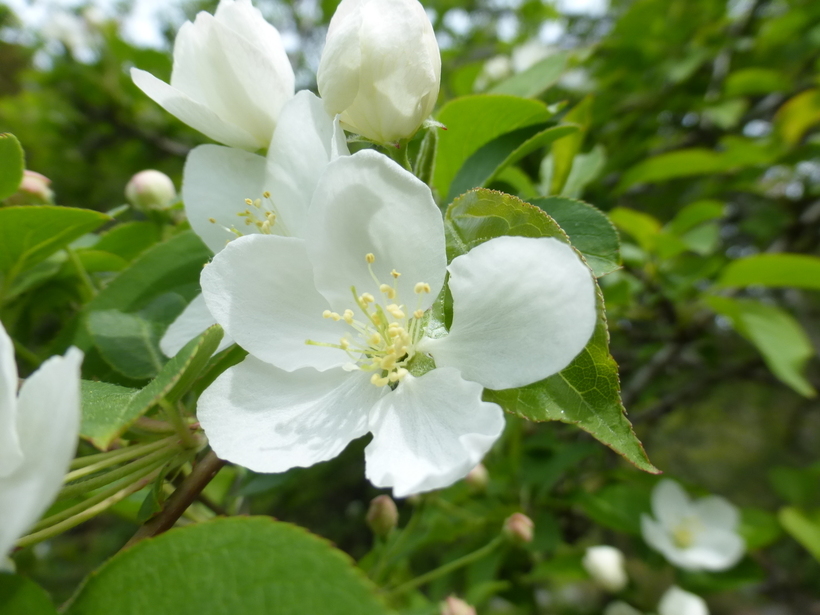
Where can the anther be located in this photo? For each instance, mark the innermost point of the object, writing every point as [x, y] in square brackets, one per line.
[389, 291]
[266, 194]
[248, 202]
[378, 380]
[367, 298]
[418, 314]
[421, 287]
[395, 274]
[370, 258]
[395, 311]
[212, 220]
[348, 316]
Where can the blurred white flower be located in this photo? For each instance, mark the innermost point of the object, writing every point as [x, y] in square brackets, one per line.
[693, 535]
[605, 564]
[380, 68]
[334, 321]
[230, 79]
[677, 601]
[456, 606]
[38, 437]
[620, 608]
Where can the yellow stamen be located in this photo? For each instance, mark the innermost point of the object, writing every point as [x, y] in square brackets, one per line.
[421, 287]
[370, 258]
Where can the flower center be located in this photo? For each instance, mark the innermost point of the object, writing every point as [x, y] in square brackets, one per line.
[260, 213]
[382, 333]
[685, 532]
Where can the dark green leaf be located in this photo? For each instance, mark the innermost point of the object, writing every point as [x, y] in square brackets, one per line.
[802, 528]
[618, 507]
[20, 596]
[12, 163]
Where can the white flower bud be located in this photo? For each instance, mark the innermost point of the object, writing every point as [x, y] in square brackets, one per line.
[677, 601]
[605, 565]
[382, 516]
[150, 190]
[34, 190]
[519, 528]
[478, 478]
[381, 68]
[456, 606]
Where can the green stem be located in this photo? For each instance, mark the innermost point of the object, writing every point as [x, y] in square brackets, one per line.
[448, 567]
[384, 560]
[83, 465]
[178, 421]
[23, 352]
[399, 154]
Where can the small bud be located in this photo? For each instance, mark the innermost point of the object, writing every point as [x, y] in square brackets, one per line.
[478, 478]
[519, 528]
[150, 190]
[33, 190]
[382, 516]
[605, 565]
[456, 606]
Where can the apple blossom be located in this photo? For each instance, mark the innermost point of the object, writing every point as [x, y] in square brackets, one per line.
[229, 192]
[699, 535]
[230, 78]
[381, 68]
[38, 437]
[150, 189]
[605, 564]
[677, 601]
[35, 189]
[336, 326]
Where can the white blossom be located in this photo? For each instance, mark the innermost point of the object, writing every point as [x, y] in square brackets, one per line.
[230, 78]
[38, 437]
[605, 564]
[336, 323]
[677, 601]
[693, 535]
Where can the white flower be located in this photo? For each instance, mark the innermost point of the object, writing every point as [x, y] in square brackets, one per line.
[680, 602]
[605, 565]
[38, 437]
[699, 535]
[336, 322]
[380, 68]
[620, 608]
[230, 79]
[218, 181]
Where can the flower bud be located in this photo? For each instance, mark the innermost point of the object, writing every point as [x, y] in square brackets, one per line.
[519, 528]
[382, 516]
[605, 565]
[33, 190]
[456, 606]
[380, 68]
[150, 190]
[478, 478]
[677, 601]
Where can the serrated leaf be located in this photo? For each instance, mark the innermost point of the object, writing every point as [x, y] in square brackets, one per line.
[589, 230]
[12, 164]
[20, 596]
[587, 392]
[773, 270]
[247, 565]
[109, 410]
[536, 79]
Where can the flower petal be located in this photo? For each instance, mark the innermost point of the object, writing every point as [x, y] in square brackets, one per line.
[337, 77]
[193, 321]
[196, 114]
[429, 432]
[270, 420]
[717, 512]
[677, 601]
[659, 538]
[670, 503]
[48, 424]
[215, 183]
[260, 289]
[366, 203]
[716, 549]
[305, 141]
[11, 456]
[523, 308]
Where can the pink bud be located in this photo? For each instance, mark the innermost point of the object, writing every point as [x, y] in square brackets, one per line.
[150, 190]
[456, 606]
[382, 516]
[519, 528]
[478, 478]
[33, 190]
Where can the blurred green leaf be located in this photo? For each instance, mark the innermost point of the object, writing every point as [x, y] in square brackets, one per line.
[618, 507]
[759, 528]
[797, 486]
[779, 338]
[536, 79]
[564, 150]
[129, 240]
[12, 163]
[803, 529]
[773, 270]
[695, 214]
[755, 81]
[642, 227]
[248, 565]
[798, 115]
[20, 596]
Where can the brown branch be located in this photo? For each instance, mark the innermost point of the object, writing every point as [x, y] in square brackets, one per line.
[181, 499]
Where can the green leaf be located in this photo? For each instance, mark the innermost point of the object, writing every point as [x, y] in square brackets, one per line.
[804, 530]
[503, 151]
[680, 163]
[129, 240]
[12, 163]
[773, 270]
[755, 81]
[779, 338]
[536, 79]
[247, 565]
[695, 214]
[618, 507]
[759, 528]
[20, 596]
[587, 392]
[473, 121]
[31, 233]
[109, 410]
[798, 115]
[589, 230]
[642, 227]
[564, 150]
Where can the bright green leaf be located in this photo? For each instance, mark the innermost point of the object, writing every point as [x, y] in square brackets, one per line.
[804, 530]
[779, 338]
[642, 227]
[755, 81]
[564, 150]
[536, 79]
[20, 596]
[695, 214]
[773, 270]
[798, 115]
[680, 163]
[12, 163]
[247, 565]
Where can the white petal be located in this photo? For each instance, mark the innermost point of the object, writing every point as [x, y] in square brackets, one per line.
[270, 420]
[717, 512]
[10, 454]
[670, 503]
[215, 183]
[659, 538]
[430, 432]
[716, 549]
[196, 114]
[48, 424]
[679, 602]
[337, 77]
[193, 321]
[366, 203]
[523, 308]
[302, 146]
[260, 289]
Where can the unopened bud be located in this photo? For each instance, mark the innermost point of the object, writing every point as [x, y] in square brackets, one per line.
[478, 478]
[33, 190]
[150, 190]
[456, 606]
[605, 565]
[519, 528]
[382, 516]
